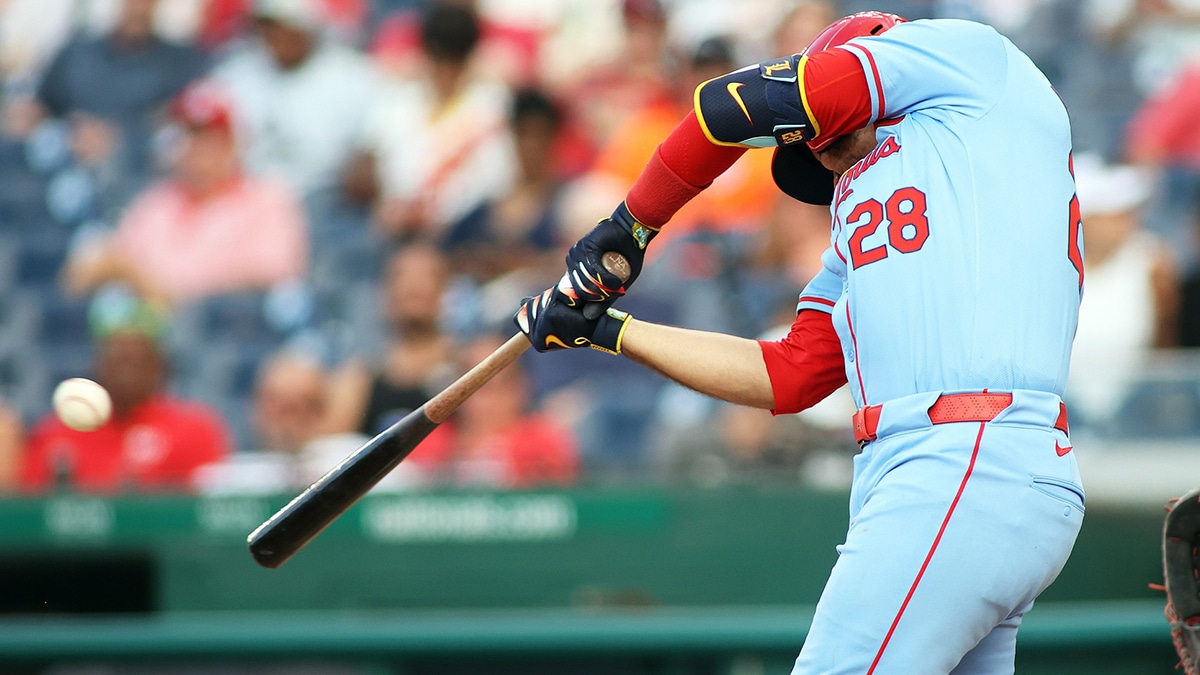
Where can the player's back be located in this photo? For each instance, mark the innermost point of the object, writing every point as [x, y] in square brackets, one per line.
[958, 232]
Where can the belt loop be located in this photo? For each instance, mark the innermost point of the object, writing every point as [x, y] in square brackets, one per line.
[1061, 423]
[866, 421]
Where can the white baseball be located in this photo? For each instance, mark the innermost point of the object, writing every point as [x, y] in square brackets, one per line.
[82, 404]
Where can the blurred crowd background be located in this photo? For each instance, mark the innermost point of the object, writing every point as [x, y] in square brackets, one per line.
[273, 227]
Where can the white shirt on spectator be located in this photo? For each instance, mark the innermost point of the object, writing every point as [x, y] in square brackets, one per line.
[301, 124]
[452, 159]
[1116, 327]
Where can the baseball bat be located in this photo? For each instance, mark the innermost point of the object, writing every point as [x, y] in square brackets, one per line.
[291, 528]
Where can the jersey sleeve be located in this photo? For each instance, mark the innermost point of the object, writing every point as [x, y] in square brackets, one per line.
[806, 365]
[821, 293]
[950, 64]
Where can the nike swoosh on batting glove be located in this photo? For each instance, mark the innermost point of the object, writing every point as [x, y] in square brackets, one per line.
[552, 322]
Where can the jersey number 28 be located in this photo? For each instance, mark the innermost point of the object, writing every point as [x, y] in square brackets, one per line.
[907, 226]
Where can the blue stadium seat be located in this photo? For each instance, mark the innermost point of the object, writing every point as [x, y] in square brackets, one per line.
[1163, 402]
[1159, 409]
[8, 262]
[353, 259]
[237, 412]
[22, 191]
[238, 318]
[39, 256]
[64, 323]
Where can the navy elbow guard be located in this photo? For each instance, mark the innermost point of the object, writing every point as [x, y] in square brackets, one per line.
[761, 106]
[757, 106]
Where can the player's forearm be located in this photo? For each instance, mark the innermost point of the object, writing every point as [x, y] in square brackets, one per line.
[722, 366]
[682, 166]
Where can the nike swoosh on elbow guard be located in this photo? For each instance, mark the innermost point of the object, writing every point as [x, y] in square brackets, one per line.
[732, 88]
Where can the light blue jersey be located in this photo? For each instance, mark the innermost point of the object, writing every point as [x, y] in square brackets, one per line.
[955, 262]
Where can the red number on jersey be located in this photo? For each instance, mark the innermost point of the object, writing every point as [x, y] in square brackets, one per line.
[1075, 223]
[857, 255]
[908, 227]
[906, 220]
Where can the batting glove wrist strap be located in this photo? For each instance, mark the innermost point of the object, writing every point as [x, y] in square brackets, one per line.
[610, 329]
[641, 234]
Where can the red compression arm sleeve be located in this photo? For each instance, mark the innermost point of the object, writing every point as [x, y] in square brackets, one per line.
[683, 165]
[806, 366]
[835, 89]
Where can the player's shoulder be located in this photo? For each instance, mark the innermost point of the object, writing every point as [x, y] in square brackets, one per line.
[947, 27]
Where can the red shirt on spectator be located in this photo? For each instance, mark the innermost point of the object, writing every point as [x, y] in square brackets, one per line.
[530, 452]
[1164, 129]
[154, 448]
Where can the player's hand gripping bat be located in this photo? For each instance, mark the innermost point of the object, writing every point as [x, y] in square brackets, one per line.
[293, 526]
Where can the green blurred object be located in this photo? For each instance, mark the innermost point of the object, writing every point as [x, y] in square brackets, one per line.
[711, 581]
[116, 309]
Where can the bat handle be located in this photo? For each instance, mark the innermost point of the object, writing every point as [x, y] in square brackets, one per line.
[440, 407]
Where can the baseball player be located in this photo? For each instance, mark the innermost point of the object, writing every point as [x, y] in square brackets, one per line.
[948, 300]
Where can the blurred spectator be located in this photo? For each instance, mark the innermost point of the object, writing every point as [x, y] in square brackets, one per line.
[436, 146]
[206, 230]
[1130, 299]
[741, 198]
[641, 74]
[11, 441]
[511, 34]
[495, 441]
[31, 33]
[789, 251]
[796, 236]
[289, 403]
[1162, 136]
[1163, 132]
[153, 442]
[746, 446]
[1161, 34]
[520, 230]
[1189, 293]
[299, 98]
[703, 441]
[110, 88]
[289, 452]
[416, 362]
[799, 26]
[709, 239]
[221, 22]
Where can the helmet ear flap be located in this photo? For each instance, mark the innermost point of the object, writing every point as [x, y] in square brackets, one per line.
[800, 175]
[795, 169]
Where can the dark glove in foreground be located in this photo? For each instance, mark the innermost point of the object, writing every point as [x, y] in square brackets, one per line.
[553, 321]
[1181, 536]
[620, 233]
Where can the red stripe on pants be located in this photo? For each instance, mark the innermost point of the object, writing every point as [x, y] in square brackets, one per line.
[932, 549]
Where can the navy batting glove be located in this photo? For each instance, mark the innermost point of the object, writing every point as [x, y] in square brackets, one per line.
[620, 233]
[552, 321]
